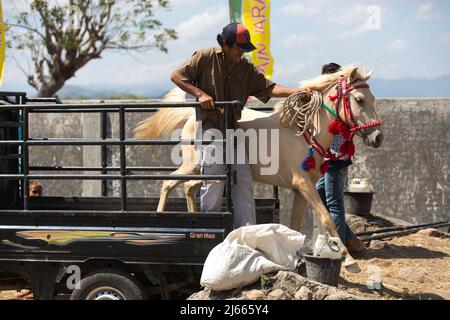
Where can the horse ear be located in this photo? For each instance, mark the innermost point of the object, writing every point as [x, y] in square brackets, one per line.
[354, 75]
[369, 75]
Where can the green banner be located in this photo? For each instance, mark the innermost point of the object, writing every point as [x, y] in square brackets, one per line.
[236, 11]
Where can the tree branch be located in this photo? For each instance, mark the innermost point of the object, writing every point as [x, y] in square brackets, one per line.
[26, 28]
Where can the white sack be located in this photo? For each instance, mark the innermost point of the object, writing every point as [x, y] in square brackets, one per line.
[249, 252]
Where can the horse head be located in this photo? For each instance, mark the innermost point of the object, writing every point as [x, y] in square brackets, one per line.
[357, 106]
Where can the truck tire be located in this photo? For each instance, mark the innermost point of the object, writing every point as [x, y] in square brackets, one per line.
[109, 284]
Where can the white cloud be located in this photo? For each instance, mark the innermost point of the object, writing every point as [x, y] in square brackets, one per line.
[355, 20]
[183, 3]
[397, 45]
[204, 26]
[298, 39]
[426, 12]
[298, 9]
[132, 73]
[344, 16]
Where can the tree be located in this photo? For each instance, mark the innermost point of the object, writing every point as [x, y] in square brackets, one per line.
[61, 39]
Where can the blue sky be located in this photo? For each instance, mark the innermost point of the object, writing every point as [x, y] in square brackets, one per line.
[413, 41]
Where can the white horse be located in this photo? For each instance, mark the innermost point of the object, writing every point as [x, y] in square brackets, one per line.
[293, 149]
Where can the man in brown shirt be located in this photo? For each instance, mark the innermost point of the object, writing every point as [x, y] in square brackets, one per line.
[221, 74]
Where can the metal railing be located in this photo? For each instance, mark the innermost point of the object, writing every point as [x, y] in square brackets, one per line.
[124, 172]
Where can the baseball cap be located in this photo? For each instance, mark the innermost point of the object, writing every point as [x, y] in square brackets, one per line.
[238, 33]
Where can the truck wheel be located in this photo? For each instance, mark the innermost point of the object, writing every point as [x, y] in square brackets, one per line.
[109, 284]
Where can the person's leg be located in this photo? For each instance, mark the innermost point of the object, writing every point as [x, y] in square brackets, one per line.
[320, 186]
[334, 192]
[242, 195]
[211, 191]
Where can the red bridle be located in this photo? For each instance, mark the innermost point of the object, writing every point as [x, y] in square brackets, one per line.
[348, 128]
[342, 95]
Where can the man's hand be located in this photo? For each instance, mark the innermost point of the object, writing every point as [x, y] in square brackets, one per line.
[206, 101]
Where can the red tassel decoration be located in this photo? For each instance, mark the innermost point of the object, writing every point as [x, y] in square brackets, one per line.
[340, 127]
[336, 127]
[324, 167]
[309, 163]
[348, 148]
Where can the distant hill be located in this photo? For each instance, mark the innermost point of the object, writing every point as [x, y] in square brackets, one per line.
[411, 87]
[382, 88]
[78, 92]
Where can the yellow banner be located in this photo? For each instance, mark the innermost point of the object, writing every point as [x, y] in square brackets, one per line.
[256, 17]
[2, 44]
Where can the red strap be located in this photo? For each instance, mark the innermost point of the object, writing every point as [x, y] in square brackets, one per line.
[313, 143]
[360, 86]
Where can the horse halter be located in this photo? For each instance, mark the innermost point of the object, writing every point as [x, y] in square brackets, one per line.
[343, 90]
[348, 128]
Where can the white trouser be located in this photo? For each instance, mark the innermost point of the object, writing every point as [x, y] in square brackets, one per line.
[241, 192]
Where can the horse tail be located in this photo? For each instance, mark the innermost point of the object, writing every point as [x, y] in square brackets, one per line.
[164, 122]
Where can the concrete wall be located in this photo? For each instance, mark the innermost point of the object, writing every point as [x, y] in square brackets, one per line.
[409, 172]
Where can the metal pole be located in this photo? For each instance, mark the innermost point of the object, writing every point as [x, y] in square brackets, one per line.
[19, 136]
[123, 160]
[383, 230]
[113, 177]
[276, 192]
[400, 233]
[228, 182]
[25, 160]
[104, 151]
[61, 168]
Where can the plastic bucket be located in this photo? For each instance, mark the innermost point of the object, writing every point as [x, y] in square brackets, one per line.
[358, 203]
[323, 270]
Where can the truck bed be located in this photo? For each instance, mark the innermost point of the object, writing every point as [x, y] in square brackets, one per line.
[75, 230]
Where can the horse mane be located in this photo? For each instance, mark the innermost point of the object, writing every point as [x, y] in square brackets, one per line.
[301, 110]
[326, 81]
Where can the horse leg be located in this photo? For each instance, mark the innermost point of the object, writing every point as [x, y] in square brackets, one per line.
[168, 185]
[298, 210]
[190, 189]
[299, 206]
[309, 192]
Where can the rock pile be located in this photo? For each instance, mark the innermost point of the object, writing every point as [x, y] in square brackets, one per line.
[283, 285]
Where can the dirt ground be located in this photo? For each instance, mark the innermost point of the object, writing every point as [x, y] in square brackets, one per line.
[410, 267]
